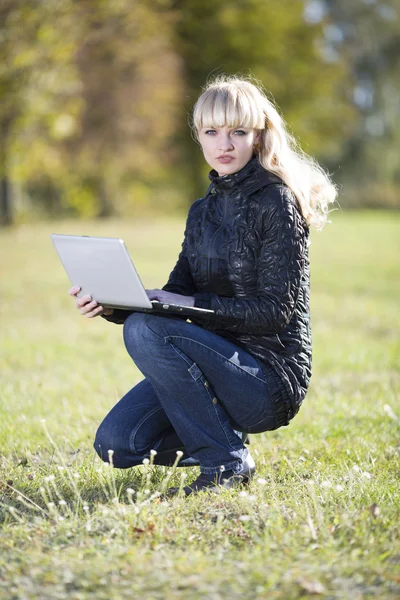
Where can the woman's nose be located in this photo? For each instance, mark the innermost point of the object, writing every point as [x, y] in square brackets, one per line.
[225, 143]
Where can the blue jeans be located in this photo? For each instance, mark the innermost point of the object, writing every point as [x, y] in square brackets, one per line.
[199, 392]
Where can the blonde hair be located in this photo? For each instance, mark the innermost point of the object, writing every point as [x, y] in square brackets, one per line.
[235, 102]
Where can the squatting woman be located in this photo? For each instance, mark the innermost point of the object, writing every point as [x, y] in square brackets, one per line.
[246, 367]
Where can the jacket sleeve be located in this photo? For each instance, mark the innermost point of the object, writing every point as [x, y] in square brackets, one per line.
[281, 261]
[180, 280]
[118, 317]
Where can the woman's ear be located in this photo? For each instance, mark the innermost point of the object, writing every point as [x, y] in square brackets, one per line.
[257, 140]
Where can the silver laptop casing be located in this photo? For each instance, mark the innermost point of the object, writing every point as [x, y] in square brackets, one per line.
[103, 268]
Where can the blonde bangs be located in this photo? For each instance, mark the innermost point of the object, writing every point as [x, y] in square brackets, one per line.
[227, 106]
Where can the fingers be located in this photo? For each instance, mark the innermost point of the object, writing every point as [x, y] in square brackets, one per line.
[85, 301]
[74, 290]
[98, 310]
[154, 294]
[86, 305]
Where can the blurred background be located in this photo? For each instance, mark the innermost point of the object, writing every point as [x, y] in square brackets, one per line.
[95, 97]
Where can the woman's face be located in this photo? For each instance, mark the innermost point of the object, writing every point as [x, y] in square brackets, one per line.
[226, 149]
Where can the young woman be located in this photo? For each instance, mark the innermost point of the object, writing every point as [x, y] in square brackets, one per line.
[246, 368]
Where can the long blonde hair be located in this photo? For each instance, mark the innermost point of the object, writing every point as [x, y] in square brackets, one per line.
[235, 102]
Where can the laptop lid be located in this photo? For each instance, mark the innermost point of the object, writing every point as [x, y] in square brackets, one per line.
[102, 268]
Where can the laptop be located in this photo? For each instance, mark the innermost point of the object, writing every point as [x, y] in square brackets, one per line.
[103, 268]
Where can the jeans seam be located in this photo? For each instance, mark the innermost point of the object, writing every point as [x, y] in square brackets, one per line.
[207, 390]
[261, 420]
[216, 408]
[182, 337]
[134, 431]
[181, 354]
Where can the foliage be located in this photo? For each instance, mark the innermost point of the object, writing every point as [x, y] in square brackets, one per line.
[95, 96]
[272, 41]
[367, 36]
[319, 520]
[89, 102]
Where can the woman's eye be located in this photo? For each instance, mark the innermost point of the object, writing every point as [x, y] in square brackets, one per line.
[209, 131]
[240, 132]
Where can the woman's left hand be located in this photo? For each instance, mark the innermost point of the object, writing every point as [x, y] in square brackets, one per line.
[169, 298]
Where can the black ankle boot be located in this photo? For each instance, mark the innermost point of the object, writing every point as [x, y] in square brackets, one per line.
[214, 482]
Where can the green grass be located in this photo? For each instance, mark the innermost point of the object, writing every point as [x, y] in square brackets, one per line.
[320, 519]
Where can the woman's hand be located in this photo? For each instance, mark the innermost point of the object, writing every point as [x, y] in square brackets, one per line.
[87, 306]
[169, 298]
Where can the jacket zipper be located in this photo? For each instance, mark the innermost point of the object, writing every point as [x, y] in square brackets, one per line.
[214, 236]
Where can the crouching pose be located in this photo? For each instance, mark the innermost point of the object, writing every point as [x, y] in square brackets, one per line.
[246, 367]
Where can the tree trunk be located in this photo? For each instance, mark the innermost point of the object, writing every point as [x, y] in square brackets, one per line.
[6, 212]
[106, 208]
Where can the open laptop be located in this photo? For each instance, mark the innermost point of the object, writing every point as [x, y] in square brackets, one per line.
[103, 268]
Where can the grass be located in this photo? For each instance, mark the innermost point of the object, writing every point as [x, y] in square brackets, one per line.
[321, 519]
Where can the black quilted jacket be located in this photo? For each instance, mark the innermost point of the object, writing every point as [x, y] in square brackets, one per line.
[245, 256]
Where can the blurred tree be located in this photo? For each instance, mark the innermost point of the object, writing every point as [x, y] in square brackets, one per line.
[88, 99]
[34, 72]
[10, 105]
[276, 43]
[131, 89]
[95, 95]
[367, 35]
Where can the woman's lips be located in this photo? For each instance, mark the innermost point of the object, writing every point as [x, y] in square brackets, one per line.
[225, 159]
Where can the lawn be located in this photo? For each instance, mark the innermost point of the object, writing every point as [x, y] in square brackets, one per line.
[321, 517]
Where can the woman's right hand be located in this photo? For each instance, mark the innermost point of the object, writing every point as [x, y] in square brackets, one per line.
[87, 306]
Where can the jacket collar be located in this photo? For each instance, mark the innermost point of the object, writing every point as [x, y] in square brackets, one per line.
[250, 178]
